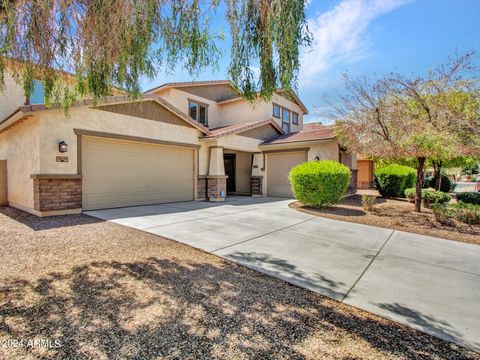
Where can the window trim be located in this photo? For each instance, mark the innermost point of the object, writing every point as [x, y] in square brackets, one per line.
[279, 111]
[198, 104]
[293, 117]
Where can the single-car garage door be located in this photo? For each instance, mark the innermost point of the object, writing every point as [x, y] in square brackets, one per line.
[120, 173]
[278, 167]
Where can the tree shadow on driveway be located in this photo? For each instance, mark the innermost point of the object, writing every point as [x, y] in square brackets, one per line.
[194, 310]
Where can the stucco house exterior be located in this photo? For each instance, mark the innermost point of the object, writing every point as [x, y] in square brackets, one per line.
[178, 142]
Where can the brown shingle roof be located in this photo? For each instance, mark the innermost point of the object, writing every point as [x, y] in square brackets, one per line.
[310, 132]
[237, 128]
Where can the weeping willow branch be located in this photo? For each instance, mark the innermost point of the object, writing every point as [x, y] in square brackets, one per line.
[107, 44]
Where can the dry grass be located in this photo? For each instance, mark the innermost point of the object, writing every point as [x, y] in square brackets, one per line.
[109, 292]
[395, 214]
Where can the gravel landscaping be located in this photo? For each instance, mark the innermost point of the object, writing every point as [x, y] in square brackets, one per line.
[105, 291]
[395, 214]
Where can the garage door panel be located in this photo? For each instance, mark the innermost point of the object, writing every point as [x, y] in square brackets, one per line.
[278, 167]
[120, 173]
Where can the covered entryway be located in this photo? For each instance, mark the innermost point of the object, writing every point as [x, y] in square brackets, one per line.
[279, 165]
[120, 173]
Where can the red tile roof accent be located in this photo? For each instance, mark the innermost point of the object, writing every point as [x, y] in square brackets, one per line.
[310, 132]
[237, 128]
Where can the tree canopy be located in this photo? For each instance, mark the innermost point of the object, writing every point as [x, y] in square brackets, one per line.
[432, 117]
[109, 44]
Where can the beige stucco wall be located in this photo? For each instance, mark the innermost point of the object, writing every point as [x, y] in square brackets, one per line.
[325, 151]
[22, 150]
[235, 112]
[241, 110]
[239, 143]
[55, 126]
[11, 98]
[179, 99]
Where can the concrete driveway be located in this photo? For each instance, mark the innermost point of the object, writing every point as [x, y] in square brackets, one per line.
[427, 283]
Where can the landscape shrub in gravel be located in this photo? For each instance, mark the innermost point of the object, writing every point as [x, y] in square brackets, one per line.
[319, 183]
[467, 213]
[393, 180]
[469, 197]
[368, 201]
[431, 197]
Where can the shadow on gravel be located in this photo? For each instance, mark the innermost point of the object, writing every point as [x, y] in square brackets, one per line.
[161, 308]
[46, 223]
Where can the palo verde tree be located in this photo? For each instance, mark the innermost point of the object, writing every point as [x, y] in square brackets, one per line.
[107, 43]
[433, 117]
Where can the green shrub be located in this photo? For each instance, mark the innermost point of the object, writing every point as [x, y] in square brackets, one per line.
[431, 197]
[469, 197]
[467, 213]
[368, 201]
[319, 183]
[444, 214]
[410, 194]
[392, 180]
[446, 185]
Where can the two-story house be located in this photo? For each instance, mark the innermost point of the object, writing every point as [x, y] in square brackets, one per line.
[178, 142]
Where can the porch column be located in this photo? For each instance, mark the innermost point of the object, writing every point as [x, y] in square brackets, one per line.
[216, 179]
[256, 178]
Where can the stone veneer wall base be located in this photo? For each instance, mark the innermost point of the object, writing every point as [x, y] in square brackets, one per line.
[256, 186]
[56, 193]
[216, 187]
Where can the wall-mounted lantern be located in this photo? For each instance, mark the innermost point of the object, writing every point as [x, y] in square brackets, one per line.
[62, 146]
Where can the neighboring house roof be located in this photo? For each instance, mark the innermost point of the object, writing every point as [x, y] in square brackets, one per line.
[188, 83]
[239, 128]
[28, 109]
[310, 132]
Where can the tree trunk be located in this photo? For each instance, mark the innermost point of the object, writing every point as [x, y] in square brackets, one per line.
[419, 184]
[437, 173]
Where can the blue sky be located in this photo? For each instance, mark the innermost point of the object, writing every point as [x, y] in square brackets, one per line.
[365, 37]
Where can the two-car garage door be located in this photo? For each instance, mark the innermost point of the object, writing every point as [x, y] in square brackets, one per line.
[278, 166]
[123, 173]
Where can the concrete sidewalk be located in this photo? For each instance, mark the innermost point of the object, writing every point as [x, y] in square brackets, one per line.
[427, 283]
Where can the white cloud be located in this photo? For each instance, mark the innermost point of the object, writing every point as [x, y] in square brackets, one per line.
[340, 35]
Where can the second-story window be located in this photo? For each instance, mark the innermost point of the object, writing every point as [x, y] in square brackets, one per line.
[285, 120]
[38, 93]
[295, 118]
[198, 112]
[276, 111]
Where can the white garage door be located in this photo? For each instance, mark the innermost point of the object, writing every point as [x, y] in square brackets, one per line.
[278, 167]
[120, 173]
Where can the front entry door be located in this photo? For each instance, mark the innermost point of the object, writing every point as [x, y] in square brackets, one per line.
[229, 163]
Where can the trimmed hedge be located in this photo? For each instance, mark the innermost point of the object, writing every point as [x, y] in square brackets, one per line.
[393, 180]
[319, 183]
[469, 197]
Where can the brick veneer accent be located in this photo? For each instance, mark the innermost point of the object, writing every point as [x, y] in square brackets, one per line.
[352, 187]
[256, 185]
[202, 188]
[215, 186]
[57, 194]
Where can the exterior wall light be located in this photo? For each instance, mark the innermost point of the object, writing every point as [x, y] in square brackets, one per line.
[62, 146]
